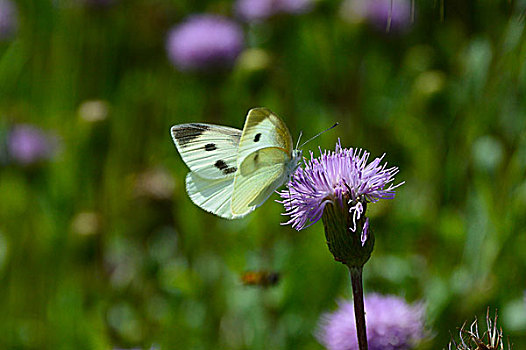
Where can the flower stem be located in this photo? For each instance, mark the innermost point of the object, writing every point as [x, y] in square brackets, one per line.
[359, 311]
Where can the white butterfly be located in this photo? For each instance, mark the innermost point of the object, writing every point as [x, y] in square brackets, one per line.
[232, 171]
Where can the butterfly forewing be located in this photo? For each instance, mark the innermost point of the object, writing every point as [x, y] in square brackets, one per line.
[257, 178]
[263, 129]
[210, 151]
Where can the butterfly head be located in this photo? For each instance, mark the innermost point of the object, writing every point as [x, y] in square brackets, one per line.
[295, 161]
[297, 155]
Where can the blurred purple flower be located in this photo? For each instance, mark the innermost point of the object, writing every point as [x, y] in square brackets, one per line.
[258, 10]
[28, 144]
[205, 41]
[378, 12]
[8, 19]
[334, 177]
[392, 324]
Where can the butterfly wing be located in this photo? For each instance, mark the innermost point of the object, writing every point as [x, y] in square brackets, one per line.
[210, 151]
[212, 195]
[263, 129]
[258, 177]
[233, 172]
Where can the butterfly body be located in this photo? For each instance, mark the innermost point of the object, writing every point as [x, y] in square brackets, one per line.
[233, 171]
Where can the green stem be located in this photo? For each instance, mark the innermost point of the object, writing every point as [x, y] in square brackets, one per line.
[347, 247]
[359, 311]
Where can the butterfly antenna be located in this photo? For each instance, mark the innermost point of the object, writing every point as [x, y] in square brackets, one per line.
[299, 138]
[318, 134]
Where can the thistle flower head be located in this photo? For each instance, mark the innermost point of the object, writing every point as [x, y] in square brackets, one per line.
[491, 339]
[258, 10]
[337, 177]
[8, 19]
[382, 14]
[336, 187]
[28, 144]
[205, 41]
[392, 324]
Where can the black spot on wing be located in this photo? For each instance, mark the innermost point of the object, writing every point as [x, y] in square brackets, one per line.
[257, 137]
[187, 133]
[230, 170]
[210, 147]
[221, 165]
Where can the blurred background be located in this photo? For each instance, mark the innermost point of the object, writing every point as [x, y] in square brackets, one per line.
[101, 248]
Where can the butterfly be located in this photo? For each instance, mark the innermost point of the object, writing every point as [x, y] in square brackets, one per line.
[232, 172]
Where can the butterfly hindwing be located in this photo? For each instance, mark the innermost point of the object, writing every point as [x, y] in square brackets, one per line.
[263, 129]
[210, 151]
[214, 196]
[257, 178]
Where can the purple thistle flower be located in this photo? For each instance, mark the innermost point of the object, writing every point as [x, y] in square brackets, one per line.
[204, 41]
[378, 13]
[337, 177]
[8, 19]
[28, 144]
[392, 324]
[258, 10]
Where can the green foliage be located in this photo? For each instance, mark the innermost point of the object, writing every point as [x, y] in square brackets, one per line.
[100, 247]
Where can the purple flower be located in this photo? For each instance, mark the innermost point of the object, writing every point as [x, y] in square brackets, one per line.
[378, 13]
[8, 19]
[392, 324]
[27, 144]
[205, 41]
[258, 10]
[337, 177]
